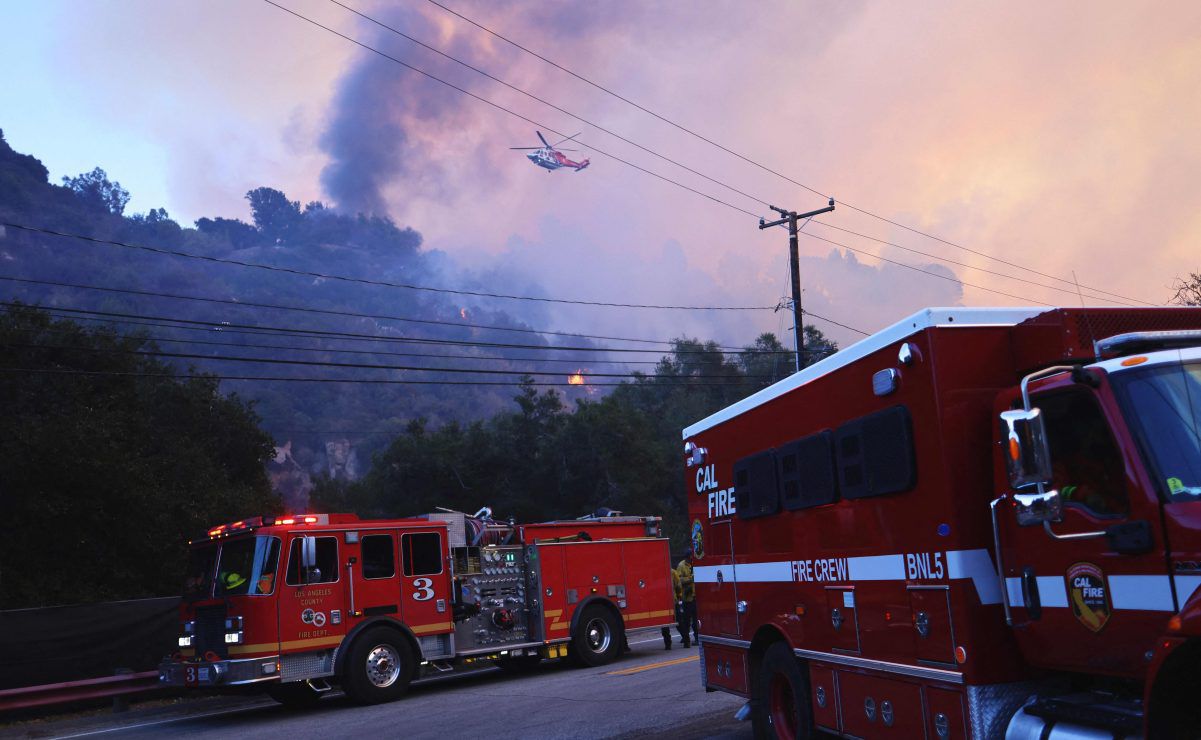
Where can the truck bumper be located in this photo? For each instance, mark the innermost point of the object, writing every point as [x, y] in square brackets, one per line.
[219, 673]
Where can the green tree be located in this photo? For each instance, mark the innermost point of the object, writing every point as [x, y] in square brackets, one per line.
[109, 463]
[94, 187]
[275, 216]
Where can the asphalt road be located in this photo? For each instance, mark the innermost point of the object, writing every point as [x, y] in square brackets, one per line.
[650, 693]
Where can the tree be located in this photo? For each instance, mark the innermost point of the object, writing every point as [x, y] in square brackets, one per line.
[94, 187]
[1188, 290]
[274, 215]
[109, 464]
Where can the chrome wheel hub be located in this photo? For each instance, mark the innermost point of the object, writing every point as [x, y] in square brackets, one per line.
[383, 666]
[598, 634]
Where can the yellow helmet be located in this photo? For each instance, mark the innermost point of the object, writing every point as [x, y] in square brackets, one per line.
[232, 580]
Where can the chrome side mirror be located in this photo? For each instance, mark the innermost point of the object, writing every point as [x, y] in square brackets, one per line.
[308, 552]
[1036, 508]
[1027, 455]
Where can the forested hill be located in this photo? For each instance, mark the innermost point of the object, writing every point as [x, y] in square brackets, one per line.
[125, 411]
[312, 238]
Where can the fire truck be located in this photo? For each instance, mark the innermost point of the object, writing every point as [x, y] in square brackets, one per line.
[299, 603]
[977, 523]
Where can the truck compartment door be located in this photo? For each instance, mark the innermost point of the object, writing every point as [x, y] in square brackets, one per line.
[842, 619]
[933, 635]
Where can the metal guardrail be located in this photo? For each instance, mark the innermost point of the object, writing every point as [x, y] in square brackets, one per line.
[91, 688]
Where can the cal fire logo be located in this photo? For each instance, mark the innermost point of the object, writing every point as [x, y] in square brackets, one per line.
[721, 502]
[1087, 592]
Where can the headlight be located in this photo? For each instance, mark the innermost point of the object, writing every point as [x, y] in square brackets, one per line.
[233, 638]
[185, 641]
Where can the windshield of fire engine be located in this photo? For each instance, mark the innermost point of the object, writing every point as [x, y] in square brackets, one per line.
[198, 581]
[233, 568]
[1166, 404]
[247, 566]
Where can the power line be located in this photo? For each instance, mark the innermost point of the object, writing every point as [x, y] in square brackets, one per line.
[651, 380]
[336, 350]
[353, 336]
[206, 258]
[344, 365]
[759, 165]
[972, 267]
[367, 281]
[506, 110]
[918, 269]
[329, 312]
[547, 103]
[548, 128]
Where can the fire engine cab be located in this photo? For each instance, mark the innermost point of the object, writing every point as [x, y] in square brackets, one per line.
[298, 603]
[977, 523]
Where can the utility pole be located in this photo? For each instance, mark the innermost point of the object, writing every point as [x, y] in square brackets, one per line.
[791, 218]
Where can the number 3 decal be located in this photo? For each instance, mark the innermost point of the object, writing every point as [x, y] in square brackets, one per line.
[423, 589]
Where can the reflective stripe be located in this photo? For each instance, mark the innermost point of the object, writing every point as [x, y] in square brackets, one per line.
[1150, 593]
[1186, 586]
[762, 572]
[877, 568]
[1052, 591]
[976, 565]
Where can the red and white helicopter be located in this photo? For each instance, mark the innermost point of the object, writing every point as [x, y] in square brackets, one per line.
[550, 158]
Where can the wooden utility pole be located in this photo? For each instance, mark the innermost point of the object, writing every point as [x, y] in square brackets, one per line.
[794, 261]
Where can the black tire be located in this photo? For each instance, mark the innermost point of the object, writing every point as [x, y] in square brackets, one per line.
[598, 637]
[378, 667]
[520, 664]
[294, 695]
[780, 697]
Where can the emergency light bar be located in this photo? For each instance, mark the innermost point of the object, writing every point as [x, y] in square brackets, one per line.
[1145, 341]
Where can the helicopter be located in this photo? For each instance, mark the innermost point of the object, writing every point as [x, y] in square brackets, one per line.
[550, 158]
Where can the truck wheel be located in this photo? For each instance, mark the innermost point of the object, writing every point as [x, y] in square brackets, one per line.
[294, 695]
[378, 667]
[781, 697]
[598, 637]
[520, 664]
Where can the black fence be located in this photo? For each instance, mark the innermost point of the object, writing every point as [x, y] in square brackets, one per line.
[68, 643]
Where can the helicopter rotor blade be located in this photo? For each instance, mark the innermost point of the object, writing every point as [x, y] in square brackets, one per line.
[540, 136]
[525, 148]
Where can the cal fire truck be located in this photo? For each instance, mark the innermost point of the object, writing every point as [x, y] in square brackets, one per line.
[976, 523]
[299, 603]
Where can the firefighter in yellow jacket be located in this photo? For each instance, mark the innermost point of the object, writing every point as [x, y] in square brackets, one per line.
[685, 588]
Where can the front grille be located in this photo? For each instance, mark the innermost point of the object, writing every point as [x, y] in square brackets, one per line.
[210, 631]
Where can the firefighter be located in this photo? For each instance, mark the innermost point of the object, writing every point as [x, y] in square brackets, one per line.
[232, 580]
[685, 600]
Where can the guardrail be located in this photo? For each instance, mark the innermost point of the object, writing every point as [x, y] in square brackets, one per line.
[90, 688]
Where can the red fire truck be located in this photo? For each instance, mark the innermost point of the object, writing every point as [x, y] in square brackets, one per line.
[976, 523]
[298, 603]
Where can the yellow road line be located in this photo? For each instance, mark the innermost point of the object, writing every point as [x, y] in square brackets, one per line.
[649, 666]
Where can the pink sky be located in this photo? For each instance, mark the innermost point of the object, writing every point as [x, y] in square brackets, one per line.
[1062, 137]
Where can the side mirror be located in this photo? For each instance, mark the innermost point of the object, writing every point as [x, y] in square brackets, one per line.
[1027, 455]
[308, 552]
[1036, 508]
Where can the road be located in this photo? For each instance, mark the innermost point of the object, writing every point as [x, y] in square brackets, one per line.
[650, 693]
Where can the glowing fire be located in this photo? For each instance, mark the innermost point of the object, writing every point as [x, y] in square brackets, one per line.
[462, 313]
[576, 379]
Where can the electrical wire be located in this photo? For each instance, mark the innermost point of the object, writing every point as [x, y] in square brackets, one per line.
[207, 258]
[649, 380]
[328, 312]
[764, 167]
[344, 365]
[367, 281]
[667, 179]
[322, 334]
[510, 111]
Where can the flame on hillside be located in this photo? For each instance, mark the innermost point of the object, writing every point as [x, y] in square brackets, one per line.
[576, 378]
[462, 313]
